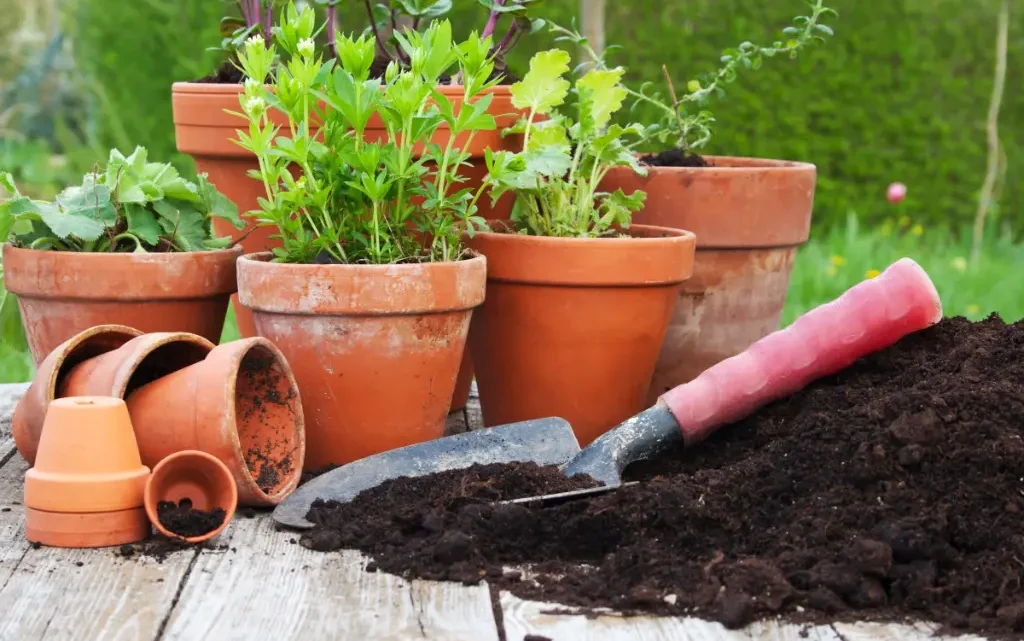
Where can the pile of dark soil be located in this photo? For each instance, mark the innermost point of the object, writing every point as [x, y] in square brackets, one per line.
[675, 158]
[186, 521]
[892, 490]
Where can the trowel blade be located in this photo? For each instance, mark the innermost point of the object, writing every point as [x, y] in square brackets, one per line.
[545, 441]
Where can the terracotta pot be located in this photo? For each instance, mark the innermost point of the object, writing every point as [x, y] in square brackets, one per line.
[63, 293]
[197, 476]
[750, 216]
[87, 485]
[30, 412]
[571, 327]
[241, 404]
[205, 131]
[375, 348]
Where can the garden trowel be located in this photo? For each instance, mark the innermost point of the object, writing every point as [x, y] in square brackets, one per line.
[870, 316]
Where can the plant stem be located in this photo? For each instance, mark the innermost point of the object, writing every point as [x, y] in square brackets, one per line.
[373, 26]
[992, 128]
[492, 20]
[332, 17]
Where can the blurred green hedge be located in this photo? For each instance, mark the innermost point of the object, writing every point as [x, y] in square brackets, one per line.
[899, 94]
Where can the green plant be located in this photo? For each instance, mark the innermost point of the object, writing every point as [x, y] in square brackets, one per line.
[682, 123]
[565, 156]
[254, 18]
[132, 205]
[358, 200]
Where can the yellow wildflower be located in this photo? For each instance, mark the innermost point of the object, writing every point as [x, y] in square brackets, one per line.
[917, 230]
[837, 260]
[973, 310]
[960, 264]
[871, 273]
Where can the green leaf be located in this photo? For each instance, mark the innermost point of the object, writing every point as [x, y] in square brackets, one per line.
[552, 162]
[65, 225]
[90, 200]
[544, 87]
[142, 224]
[548, 133]
[218, 204]
[601, 90]
[187, 229]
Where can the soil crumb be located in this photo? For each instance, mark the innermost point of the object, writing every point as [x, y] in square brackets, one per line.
[675, 158]
[186, 521]
[893, 490]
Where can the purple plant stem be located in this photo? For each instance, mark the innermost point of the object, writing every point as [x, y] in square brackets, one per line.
[243, 6]
[510, 39]
[268, 21]
[332, 17]
[373, 25]
[492, 20]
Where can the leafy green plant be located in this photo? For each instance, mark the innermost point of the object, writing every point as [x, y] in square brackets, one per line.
[131, 206]
[566, 155]
[683, 123]
[357, 200]
[254, 17]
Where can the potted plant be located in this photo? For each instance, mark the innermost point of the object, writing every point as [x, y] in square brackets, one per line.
[132, 245]
[370, 290]
[578, 298]
[750, 215]
[205, 123]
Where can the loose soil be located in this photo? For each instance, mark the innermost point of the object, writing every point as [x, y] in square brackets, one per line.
[674, 158]
[893, 490]
[226, 74]
[186, 521]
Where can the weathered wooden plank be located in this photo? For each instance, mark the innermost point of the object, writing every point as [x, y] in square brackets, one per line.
[53, 593]
[523, 618]
[456, 423]
[10, 394]
[474, 417]
[269, 584]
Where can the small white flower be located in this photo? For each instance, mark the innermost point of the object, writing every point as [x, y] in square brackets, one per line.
[254, 40]
[306, 47]
[252, 86]
[255, 106]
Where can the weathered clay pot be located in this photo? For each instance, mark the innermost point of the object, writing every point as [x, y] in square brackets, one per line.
[240, 404]
[750, 216]
[375, 348]
[572, 327]
[86, 487]
[197, 476]
[63, 293]
[30, 412]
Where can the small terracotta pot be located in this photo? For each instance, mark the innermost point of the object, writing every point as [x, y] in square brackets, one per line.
[88, 464]
[30, 412]
[571, 327]
[204, 130]
[241, 404]
[63, 293]
[197, 476]
[375, 348]
[750, 216]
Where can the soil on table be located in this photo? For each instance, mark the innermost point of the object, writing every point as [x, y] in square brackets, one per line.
[674, 158]
[893, 490]
[186, 521]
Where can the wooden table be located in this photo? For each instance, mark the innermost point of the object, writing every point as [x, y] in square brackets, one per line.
[263, 585]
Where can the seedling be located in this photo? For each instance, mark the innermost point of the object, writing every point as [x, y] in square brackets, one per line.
[565, 156]
[683, 123]
[357, 200]
[131, 206]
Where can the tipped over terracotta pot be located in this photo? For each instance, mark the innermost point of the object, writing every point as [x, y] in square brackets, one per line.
[63, 293]
[571, 327]
[375, 348]
[240, 404]
[190, 495]
[750, 217]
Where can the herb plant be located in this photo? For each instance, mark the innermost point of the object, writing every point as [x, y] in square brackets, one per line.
[565, 156]
[359, 200]
[131, 206]
[682, 124]
[255, 17]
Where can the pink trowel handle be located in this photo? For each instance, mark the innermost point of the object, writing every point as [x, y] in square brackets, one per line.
[869, 316]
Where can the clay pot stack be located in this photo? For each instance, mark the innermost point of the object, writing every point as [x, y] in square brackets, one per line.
[218, 426]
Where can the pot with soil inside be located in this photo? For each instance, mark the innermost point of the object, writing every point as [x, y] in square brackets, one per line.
[191, 496]
[369, 297]
[239, 404]
[116, 254]
[750, 216]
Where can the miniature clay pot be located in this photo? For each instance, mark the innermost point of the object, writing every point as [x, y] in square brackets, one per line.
[375, 348]
[30, 412]
[572, 326]
[240, 404]
[197, 476]
[750, 217]
[204, 129]
[63, 293]
[86, 487]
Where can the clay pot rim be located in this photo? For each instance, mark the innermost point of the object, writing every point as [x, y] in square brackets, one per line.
[155, 340]
[666, 257]
[751, 164]
[362, 287]
[150, 503]
[155, 257]
[74, 343]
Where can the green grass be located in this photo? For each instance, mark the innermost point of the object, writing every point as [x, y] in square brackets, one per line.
[828, 265]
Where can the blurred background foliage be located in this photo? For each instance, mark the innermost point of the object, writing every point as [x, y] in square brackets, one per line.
[899, 94]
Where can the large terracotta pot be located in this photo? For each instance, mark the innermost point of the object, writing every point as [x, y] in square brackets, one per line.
[63, 293]
[205, 131]
[750, 216]
[572, 327]
[375, 348]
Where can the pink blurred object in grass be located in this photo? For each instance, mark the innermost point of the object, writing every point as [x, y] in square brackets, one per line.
[896, 192]
[870, 316]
